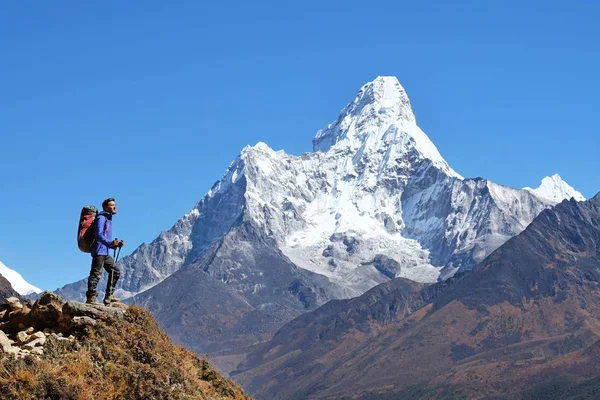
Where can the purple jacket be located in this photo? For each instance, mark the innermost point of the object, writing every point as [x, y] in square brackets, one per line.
[103, 232]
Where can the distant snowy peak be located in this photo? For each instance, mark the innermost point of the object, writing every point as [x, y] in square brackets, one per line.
[380, 120]
[555, 190]
[16, 280]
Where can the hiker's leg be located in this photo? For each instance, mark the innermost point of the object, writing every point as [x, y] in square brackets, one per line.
[109, 264]
[95, 275]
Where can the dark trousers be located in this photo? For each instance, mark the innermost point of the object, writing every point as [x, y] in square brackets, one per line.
[98, 262]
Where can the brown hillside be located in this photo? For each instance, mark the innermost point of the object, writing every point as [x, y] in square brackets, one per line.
[99, 353]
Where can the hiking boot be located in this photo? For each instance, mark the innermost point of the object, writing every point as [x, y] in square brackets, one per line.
[93, 301]
[111, 300]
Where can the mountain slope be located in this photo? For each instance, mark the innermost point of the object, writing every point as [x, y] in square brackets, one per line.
[20, 285]
[53, 350]
[221, 295]
[524, 321]
[6, 289]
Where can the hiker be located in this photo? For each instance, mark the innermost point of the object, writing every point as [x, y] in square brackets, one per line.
[103, 242]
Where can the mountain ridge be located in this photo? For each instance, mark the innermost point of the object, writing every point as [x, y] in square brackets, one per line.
[527, 316]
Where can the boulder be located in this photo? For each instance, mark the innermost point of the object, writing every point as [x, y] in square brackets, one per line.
[76, 309]
[46, 311]
[34, 343]
[12, 300]
[37, 351]
[4, 342]
[22, 337]
[38, 335]
[54, 336]
[82, 322]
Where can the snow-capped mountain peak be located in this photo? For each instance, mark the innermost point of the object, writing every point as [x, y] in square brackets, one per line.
[380, 101]
[380, 120]
[555, 190]
[17, 282]
[384, 97]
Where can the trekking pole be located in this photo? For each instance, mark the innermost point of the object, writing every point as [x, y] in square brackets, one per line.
[118, 254]
[110, 274]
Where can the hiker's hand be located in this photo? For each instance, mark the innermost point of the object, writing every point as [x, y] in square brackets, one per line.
[114, 244]
[121, 244]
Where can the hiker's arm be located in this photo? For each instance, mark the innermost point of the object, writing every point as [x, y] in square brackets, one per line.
[100, 231]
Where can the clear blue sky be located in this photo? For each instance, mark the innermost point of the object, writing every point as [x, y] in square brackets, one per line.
[150, 101]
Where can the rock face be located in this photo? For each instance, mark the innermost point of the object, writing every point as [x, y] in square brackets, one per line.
[280, 234]
[6, 289]
[32, 323]
[222, 296]
[525, 322]
[56, 350]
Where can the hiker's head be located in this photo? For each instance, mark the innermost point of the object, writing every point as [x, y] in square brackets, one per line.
[109, 206]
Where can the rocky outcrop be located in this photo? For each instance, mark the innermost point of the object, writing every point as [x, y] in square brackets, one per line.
[52, 349]
[26, 327]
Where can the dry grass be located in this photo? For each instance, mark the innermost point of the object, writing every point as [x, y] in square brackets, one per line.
[128, 359]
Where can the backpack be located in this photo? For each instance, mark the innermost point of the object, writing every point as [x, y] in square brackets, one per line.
[85, 232]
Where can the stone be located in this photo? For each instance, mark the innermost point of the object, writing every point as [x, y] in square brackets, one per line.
[119, 305]
[49, 297]
[13, 350]
[12, 300]
[37, 351]
[54, 336]
[4, 342]
[46, 311]
[34, 343]
[81, 322]
[29, 330]
[77, 309]
[22, 337]
[38, 335]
